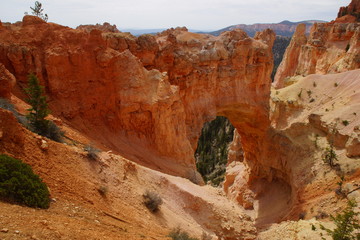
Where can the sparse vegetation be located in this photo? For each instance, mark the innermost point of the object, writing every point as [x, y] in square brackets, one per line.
[347, 224]
[345, 122]
[178, 234]
[330, 156]
[103, 190]
[336, 84]
[19, 184]
[279, 47]
[347, 47]
[92, 152]
[309, 92]
[152, 201]
[299, 94]
[339, 191]
[212, 151]
[39, 111]
[37, 10]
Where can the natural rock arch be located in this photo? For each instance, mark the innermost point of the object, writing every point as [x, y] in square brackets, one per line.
[147, 97]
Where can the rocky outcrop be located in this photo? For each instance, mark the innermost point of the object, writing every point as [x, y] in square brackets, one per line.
[105, 27]
[7, 82]
[312, 115]
[352, 10]
[291, 56]
[330, 48]
[147, 97]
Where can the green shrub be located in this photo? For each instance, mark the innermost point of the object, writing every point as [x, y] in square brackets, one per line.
[345, 122]
[19, 184]
[92, 153]
[152, 201]
[347, 47]
[177, 234]
[103, 190]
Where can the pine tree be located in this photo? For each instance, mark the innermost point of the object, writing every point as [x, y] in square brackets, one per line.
[37, 10]
[347, 225]
[39, 108]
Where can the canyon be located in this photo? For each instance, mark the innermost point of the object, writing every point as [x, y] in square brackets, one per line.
[144, 100]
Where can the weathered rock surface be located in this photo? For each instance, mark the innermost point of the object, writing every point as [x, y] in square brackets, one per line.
[7, 82]
[352, 10]
[310, 116]
[151, 93]
[105, 27]
[330, 48]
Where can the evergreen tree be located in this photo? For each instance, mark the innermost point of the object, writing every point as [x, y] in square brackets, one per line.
[39, 107]
[37, 10]
[347, 224]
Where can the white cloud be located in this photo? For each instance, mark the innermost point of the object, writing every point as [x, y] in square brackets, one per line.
[195, 14]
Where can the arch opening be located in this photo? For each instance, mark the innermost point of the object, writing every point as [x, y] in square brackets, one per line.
[211, 154]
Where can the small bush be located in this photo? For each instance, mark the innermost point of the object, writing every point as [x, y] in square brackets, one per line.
[92, 153]
[336, 84]
[103, 190]
[51, 131]
[309, 92]
[152, 201]
[19, 184]
[345, 122]
[299, 94]
[347, 47]
[177, 234]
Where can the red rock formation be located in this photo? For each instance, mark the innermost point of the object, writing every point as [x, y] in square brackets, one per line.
[7, 82]
[352, 10]
[105, 27]
[330, 48]
[97, 82]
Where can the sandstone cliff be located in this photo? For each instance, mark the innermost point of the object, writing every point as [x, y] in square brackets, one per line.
[151, 93]
[352, 10]
[330, 48]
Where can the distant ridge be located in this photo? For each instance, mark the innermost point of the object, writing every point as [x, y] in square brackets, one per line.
[284, 28]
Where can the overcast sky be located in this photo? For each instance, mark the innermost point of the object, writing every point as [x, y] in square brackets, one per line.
[194, 14]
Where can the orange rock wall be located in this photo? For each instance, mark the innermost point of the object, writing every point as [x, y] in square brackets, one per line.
[330, 48]
[146, 97]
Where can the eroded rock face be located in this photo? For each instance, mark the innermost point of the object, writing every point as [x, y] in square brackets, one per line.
[7, 82]
[352, 10]
[105, 27]
[147, 97]
[330, 48]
